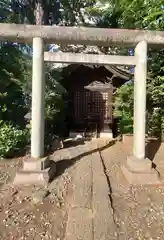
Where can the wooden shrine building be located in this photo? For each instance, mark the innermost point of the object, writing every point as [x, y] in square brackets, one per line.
[90, 95]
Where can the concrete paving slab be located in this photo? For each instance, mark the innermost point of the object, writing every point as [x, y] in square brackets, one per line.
[103, 222]
[90, 213]
[79, 225]
[82, 184]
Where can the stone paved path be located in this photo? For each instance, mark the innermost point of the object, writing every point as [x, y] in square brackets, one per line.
[90, 213]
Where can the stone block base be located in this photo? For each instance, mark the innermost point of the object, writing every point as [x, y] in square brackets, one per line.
[140, 172]
[34, 173]
[36, 164]
[32, 178]
[139, 165]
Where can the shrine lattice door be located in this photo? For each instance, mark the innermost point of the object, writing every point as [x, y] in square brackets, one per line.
[89, 103]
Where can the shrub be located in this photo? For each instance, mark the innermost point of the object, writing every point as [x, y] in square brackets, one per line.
[123, 108]
[126, 124]
[11, 139]
[155, 123]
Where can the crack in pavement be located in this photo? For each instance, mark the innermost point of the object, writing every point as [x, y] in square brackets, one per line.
[92, 202]
[114, 215]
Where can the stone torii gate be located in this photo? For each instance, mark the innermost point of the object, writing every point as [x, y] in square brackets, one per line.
[137, 169]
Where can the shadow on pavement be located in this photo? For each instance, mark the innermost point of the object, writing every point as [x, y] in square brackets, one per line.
[64, 164]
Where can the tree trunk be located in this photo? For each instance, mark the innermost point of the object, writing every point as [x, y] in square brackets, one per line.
[39, 13]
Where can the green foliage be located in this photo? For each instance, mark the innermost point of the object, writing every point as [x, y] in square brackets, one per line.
[61, 12]
[126, 123]
[11, 138]
[123, 108]
[154, 123]
[147, 14]
[54, 91]
[54, 103]
[124, 100]
[14, 73]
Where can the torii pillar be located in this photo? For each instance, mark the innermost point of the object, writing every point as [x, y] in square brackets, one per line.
[138, 169]
[37, 169]
[38, 92]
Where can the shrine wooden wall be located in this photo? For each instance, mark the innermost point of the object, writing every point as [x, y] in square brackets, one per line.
[85, 103]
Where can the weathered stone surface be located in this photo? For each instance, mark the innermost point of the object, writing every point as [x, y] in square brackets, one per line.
[141, 178]
[35, 177]
[32, 177]
[60, 155]
[103, 143]
[82, 184]
[85, 36]
[39, 196]
[103, 221]
[79, 225]
[36, 164]
[139, 165]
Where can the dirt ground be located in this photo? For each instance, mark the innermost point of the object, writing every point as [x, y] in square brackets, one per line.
[21, 218]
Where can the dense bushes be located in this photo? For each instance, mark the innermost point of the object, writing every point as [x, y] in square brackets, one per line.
[13, 76]
[11, 139]
[123, 108]
[15, 98]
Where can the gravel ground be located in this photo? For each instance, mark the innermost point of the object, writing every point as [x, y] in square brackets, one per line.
[21, 217]
[139, 210]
